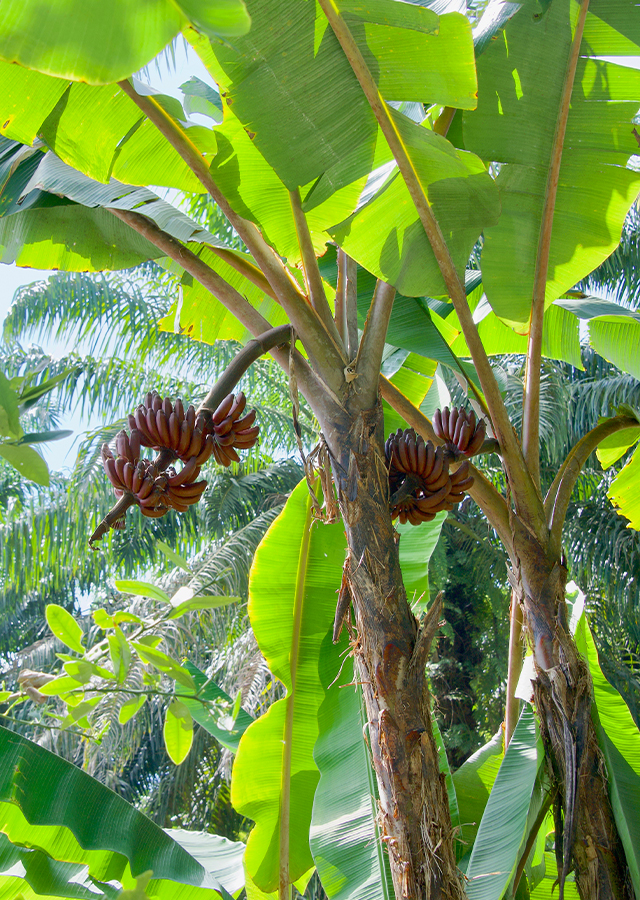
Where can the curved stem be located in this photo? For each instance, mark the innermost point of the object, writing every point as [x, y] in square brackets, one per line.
[230, 298]
[252, 351]
[313, 278]
[242, 264]
[559, 494]
[115, 513]
[528, 501]
[312, 331]
[531, 407]
[369, 358]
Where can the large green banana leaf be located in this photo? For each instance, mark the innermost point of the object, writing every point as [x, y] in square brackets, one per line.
[618, 340]
[619, 740]
[624, 491]
[473, 782]
[101, 42]
[98, 130]
[74, 822]
[503, 827]
[292, 599]
[547, 889]
[55, 217]
[386, 235]
[521, 78]
[345, 842]
[304, 133]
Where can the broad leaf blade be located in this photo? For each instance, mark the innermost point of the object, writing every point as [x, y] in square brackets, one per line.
[503, 826]
[98, 43]
[345, 841]
[619, 740]
[225, 731]
[296, 571]
[88, 824]
[624, 491]
[521, 81]
[386, 235]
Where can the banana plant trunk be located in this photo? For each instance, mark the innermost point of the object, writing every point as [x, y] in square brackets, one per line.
[391, 650]
[590, 842]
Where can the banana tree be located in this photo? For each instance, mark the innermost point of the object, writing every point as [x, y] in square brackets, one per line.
[391, 132]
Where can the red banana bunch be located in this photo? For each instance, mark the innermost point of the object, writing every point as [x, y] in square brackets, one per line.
[434, 488]
[155, 492]
[459, 430]
[163, 425]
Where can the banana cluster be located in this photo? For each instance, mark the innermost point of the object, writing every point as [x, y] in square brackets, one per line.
[190, 436]
[459, 430]
[154, 491]
[185, 434]
[423, 470]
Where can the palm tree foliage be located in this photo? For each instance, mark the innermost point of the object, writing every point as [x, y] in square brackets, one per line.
[44, 532]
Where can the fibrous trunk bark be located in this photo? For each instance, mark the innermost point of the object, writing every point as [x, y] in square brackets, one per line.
[391, 649]
[563, 696]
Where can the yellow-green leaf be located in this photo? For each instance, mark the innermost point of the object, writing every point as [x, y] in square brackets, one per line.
[178, 731]
[65, 627]
[130, 708]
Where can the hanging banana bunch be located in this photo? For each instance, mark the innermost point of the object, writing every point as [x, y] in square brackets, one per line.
[190, 436]
[420, 482]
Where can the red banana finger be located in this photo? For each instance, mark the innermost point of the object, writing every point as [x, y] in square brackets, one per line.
[222, 410]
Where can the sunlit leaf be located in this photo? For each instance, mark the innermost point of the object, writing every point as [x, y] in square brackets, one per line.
[142, 589]
[178, 731]
[65, 627]
[130, 708]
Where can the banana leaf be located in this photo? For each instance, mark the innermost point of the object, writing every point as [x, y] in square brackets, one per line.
[503, 827]
[292, 599]
[521, 79]
[619, 740]
[49, 804]
[345, 842]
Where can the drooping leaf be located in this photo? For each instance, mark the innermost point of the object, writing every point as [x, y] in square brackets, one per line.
[503, 825]
[27, 461]
[65, 627]
[120, 652]
[143, 589]
[217, 854]
[191, 603]
[547, 889]
[345, 842]
[130, 708]
[267, 96]
[85, 41]
[386, 235]
[618, 340]
[9, 415]
[616, 445]
[473, 782]
[416, 548]
[89, 825]
[227, 730]
[164, 663]
[292, 599]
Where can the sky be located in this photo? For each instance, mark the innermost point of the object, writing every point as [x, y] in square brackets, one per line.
[161, 74]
